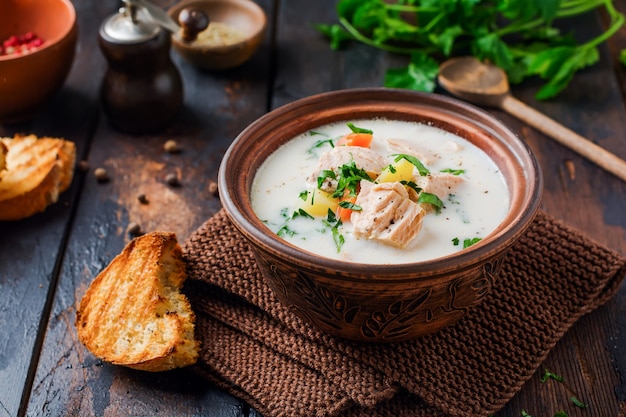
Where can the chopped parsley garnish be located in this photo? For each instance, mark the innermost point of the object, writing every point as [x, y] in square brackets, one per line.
[561, 414]
[549, 375]
[285, 230]
[350, 206]
[466, 242]
[431, 199]
[392, 169]
[578, 403]
[469, 242]
[284, 213]
[525, 414]
[303, 195]
[349, 178]
[318, 144]
[453, 171]
[356, 129]
[423, 171]
[333, 222]
[325, 174]
[301, 212]
[411, 185]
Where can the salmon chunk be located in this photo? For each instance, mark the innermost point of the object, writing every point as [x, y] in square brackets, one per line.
[387, 214]
[405, 147]
[442, 184]
[364, 158]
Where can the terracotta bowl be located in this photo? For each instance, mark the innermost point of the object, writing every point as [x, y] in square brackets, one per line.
[243, 16]
[28, 80]
[380, 303]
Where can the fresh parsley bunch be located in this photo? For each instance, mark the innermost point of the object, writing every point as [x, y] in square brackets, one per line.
[517, 35]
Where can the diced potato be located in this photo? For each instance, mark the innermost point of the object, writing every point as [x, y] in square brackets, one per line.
[318, 202]
[402, 171]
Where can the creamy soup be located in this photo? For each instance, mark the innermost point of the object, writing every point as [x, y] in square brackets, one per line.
[454, 195]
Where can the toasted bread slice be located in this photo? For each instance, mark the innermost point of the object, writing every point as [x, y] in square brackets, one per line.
[133, 314]
[37, 171]
[3, 157]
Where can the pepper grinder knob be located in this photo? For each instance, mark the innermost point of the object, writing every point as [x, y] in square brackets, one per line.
[192, 21]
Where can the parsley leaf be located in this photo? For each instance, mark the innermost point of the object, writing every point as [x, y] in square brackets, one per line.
[431, 199]
[356, 129]
[549, 375]
[469, 242]
[507, 33]
[349, 178]
[423, 171]
[350, 206]
[419, 75]
[453, 171]
[333, 222]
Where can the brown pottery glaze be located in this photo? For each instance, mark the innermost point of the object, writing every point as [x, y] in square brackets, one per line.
[28, 80]
[380, 303]
[244, 15]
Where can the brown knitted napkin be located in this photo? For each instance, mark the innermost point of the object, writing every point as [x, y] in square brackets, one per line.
[256, 349]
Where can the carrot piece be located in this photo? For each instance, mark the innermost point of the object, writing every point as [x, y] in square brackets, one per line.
[363, 140]
[345, 213]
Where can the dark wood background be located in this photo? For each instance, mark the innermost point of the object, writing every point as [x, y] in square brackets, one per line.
[47, 261]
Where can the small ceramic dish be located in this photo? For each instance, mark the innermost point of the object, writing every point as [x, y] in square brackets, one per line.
[29, 79]
[380, 302]
[235, 32]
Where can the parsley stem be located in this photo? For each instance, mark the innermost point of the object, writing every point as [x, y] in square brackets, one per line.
[409, 8]
[389, 48]
[615, 26]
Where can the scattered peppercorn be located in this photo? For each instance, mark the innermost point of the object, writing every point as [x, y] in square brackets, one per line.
[101, 175]
[134, 229]
[171, 146]
[142, 199]
[172, 179]
[213, 188]
[83, 166]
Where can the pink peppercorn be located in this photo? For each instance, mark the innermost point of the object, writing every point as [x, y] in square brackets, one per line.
[19, 44]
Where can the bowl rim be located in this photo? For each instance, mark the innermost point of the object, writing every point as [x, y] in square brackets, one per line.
[50, 43]
[178, 43]
[491, 247]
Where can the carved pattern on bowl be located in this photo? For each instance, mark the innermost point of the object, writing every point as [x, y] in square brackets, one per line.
[426, 310]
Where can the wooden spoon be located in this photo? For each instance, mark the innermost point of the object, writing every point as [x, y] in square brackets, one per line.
[487, 85]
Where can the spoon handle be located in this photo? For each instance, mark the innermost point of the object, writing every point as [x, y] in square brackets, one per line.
[565, 136]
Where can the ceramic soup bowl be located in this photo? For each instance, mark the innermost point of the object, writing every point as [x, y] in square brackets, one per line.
[380, 302]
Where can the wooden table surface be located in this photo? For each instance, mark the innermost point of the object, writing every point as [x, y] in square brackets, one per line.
[48, 260]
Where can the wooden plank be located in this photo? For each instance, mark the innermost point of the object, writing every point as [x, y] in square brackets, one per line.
[30, 249]
[69, 381]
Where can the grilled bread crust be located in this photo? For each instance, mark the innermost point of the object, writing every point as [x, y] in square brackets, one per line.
[36, 171]
[3, 157]
[133, 314]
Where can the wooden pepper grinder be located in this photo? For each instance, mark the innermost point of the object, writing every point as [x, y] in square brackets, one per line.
[142, 90]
